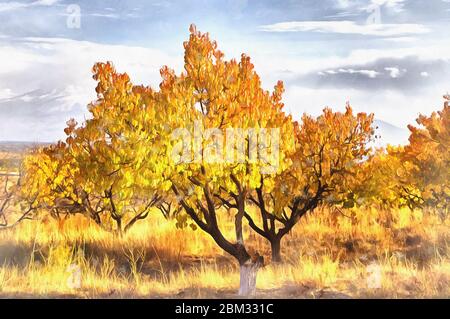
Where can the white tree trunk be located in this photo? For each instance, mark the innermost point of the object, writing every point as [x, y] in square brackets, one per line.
[248, 272]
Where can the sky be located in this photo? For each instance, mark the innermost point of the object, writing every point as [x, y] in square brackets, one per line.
[388, 57]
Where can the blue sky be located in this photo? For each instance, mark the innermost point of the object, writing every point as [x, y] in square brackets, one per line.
[390, 57]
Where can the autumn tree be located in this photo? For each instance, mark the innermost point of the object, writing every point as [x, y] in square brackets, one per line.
[377, 182]
[224, 143]
[107, 169]
[414, 175]
[425, 170]
[6, 196]
[13, 209]
[48, 180]
[328, 154]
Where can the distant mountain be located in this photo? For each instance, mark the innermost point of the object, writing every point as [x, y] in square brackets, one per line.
[389, 134]
[37, 115]
[18, 147]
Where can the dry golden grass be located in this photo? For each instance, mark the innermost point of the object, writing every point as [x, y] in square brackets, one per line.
[328, 255]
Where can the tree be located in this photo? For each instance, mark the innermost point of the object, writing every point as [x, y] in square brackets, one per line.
[377, 182]
[48, 181]
[329, 153]
[10, 195]
[210, 99]
[415, 175]
[425, 172]
[107, 169]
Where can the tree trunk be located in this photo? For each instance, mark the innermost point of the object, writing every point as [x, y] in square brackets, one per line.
[248, 272]
[119, 227]
[238, 219]
[275, 245]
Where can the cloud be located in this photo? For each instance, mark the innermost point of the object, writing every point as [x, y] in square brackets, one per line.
[8, 6]
[395, 72]
[14, 5]
[45, 2]
[369, 73]
[407, 74]
[364, 5]
[105, 15]
[37, 107]
[111, 15]
[343, 4]
[395, 5]
[395, 107]
[36, 116]
[347, 27]
[399, 71]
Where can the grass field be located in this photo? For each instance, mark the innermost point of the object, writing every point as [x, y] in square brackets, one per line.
[330, 254]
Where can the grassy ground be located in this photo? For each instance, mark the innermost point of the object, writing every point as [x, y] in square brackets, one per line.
[360, 253]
